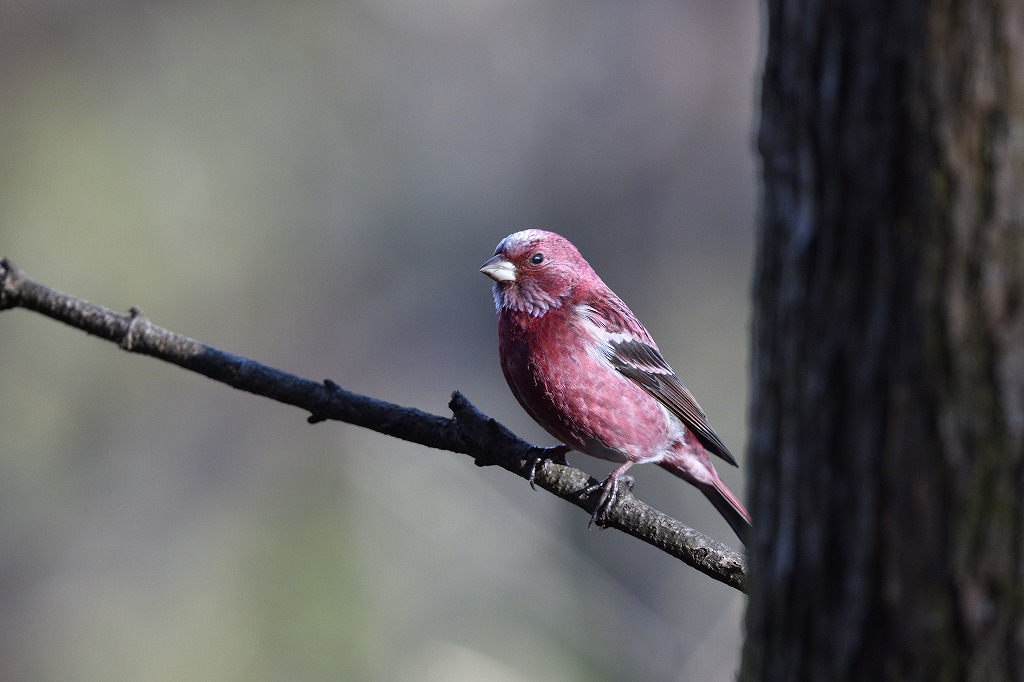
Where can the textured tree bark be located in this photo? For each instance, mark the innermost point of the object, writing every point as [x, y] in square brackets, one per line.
[887, 449]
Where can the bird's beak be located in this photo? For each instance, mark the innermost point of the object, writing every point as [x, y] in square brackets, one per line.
[499, 269]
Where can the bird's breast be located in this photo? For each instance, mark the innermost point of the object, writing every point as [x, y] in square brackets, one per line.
[572, 391]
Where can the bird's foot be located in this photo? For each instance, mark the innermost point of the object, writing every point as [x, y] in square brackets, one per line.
[541, 457]
[609, 496]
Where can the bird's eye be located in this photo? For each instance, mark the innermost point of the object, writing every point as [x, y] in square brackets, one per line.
[537, 258]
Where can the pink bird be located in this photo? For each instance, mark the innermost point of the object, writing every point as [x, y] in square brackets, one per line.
[585, 369]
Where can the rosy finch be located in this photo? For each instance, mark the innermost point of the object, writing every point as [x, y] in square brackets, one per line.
[585, 369]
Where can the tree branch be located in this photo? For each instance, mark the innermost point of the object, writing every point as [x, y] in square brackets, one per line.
[469, 431]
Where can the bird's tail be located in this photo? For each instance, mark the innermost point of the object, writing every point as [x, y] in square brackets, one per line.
[705, 478]
[730, 507]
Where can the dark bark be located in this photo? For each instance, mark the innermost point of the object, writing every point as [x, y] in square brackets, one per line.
[469, 431]
[888, 403]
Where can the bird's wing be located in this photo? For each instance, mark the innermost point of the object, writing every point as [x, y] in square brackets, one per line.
[632, 351]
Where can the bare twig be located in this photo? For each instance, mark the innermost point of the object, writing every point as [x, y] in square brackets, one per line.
[468, 431]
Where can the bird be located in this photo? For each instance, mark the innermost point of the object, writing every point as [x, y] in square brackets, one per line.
[583, 367]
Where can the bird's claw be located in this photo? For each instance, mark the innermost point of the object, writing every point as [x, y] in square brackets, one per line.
[541, 457]
[609, 488]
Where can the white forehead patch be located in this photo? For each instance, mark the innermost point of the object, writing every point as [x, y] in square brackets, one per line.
[521, 239]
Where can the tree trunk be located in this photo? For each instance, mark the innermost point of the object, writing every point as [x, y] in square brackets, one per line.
[887, 450]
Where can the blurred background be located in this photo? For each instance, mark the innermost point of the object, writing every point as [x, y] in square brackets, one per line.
[314, 185]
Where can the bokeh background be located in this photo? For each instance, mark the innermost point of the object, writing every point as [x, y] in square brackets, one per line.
[314, 185]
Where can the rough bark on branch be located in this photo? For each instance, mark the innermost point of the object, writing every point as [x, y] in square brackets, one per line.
[468, 431]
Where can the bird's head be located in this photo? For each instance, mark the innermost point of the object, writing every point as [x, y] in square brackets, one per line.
[535, 271]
